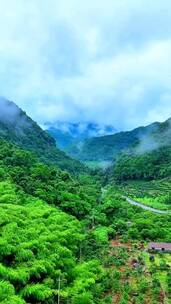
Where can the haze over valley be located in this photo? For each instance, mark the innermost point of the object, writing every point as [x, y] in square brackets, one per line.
[85, 152]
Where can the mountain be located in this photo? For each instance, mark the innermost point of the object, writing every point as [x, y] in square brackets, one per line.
[152, 165]
[83, 224]
[16, 127]
[139, 140]
[72, 134]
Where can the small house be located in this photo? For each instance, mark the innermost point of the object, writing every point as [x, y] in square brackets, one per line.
[159, 247]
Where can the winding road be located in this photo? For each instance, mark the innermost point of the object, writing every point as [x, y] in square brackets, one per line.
[131, 202]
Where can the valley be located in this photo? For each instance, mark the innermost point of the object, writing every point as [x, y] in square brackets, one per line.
[68, 135]
[85, 152]
[75, 235]
[106, 149]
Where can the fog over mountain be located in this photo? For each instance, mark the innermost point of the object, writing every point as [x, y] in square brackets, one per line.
[137, 142]
[12, 117]
[18, 128]
[159, 136]
[82, 129]
[9, 112]
[67, 134]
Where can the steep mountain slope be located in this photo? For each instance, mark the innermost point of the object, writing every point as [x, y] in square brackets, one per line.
[148, 166]
[18, 128]
[140, 140]
[69, 135]
[149, 159]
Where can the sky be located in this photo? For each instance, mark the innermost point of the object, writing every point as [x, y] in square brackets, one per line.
[104, 61]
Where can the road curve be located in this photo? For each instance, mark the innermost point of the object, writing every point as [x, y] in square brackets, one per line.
[131, 202]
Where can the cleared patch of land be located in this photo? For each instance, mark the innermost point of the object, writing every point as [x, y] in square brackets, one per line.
[147, 281]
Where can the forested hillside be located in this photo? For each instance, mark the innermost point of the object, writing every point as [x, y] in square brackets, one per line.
[73, 238]
[138, 141]
[57, 236]
[47, 182]
[148, 166]
[18, 128]
[85, 152]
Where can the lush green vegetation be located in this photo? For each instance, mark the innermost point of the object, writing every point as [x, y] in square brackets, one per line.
[16, 127]
[161, 202]
[105, 148]
[39, 253]
[71, 238]
[140, 140]
[75, 196]
[149, 166]
[56, 232]
[42, 247]
[133, 222]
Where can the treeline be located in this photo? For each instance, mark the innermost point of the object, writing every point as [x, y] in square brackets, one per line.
[149, 166]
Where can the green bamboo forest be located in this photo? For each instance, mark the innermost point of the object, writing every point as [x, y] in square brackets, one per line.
[68, 234]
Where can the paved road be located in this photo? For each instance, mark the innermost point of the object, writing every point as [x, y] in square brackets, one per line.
[131, 202]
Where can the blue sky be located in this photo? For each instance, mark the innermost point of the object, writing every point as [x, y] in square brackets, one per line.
[107, 61]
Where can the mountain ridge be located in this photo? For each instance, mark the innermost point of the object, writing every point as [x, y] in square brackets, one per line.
[18, 128]
[140, 140]
[67, 134]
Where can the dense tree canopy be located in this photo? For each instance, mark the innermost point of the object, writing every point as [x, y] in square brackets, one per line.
[149, 166]
[56, 232]
[39, 250]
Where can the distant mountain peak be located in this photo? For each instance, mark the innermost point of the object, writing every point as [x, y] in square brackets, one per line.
[68, 134]
[81, 129]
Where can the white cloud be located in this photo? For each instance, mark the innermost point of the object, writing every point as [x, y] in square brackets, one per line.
[106, 61]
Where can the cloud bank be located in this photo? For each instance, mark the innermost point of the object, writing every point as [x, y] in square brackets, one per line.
[101, 61]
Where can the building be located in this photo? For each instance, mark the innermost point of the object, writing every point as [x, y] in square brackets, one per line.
[159, 247]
